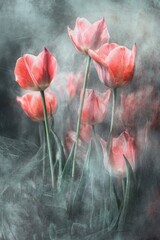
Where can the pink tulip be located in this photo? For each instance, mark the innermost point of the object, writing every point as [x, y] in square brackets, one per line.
[87, 36]
[95, 106]
[122, 145]
[136, 107]
[73, 84]
[114, 64]
[35, 72]
[31, 104]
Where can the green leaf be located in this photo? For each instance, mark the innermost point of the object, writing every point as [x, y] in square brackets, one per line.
[52, 231]
[130, 190]
[60, 158]
[83, 179]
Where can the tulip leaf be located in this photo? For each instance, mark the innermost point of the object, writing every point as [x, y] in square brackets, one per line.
[114, 209]
[83, 179]
[52, 232]
[60, 158]
[129, 194]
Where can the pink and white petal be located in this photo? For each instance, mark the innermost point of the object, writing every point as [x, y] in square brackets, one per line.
[23, 74]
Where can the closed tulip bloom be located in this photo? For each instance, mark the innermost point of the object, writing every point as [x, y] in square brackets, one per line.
[35, 72]
[114, 64]
[87, 36]
[95, 106]
[122, 145]
[136, 107]
[73, 84]
[31, 104]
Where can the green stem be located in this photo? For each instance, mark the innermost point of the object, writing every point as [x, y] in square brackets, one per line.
[80, 112]
[48, 137]
[112, 117]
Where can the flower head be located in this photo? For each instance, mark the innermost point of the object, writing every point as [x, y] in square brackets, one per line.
[136, 107]
[124, 145]
[73, 84]
[87, 36]
[31, 104]
[95, 106]
[114, 64]
[35, 72]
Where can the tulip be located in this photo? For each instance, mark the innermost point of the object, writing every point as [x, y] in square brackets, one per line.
[122, 146]
[136, 107]
[95, 106]
[73, 84]
[87, 36]
[35, 72]
[31, 104]
[114, 64]
[85, 136]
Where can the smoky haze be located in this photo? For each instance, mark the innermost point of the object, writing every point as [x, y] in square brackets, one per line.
[27, 26]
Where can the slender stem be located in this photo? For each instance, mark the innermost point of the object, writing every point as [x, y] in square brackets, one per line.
[112, 117]
[48, 138]
[42, 134]
[80, 112]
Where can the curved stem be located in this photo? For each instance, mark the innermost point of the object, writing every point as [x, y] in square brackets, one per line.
[48, 137]
[80, 112]
[112, 117]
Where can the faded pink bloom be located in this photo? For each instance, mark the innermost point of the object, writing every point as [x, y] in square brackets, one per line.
[73, 84]
[35, 72]
[136, 106]
[155, 117]
[85, 136]
[122, 145]
[114, 64]
[31, 104]
[95, 106]
[87, 36]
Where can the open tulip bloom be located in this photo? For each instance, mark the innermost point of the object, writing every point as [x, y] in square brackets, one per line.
[114, 64]
[87, 36]
[35, 72]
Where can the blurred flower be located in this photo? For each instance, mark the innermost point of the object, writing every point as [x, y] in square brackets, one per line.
[85, 135]
[87, 36]
[155, 117]
[136, 107]
[95, 106]
[114, 64]
[31, 104]
[73, 84]
[35, 72]
[122, 145]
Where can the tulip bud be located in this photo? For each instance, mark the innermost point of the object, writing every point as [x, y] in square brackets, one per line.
[95, 106]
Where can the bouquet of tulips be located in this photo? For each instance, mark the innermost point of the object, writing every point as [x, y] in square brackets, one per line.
[89, 175]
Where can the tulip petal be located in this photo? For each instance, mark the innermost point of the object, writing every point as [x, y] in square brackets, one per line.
[22, 73]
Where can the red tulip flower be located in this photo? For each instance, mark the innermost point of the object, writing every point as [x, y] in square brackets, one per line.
[122, 145]
[87, 36]
[114, 64]
[95, 106]
[35, 72]
[31, 104]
